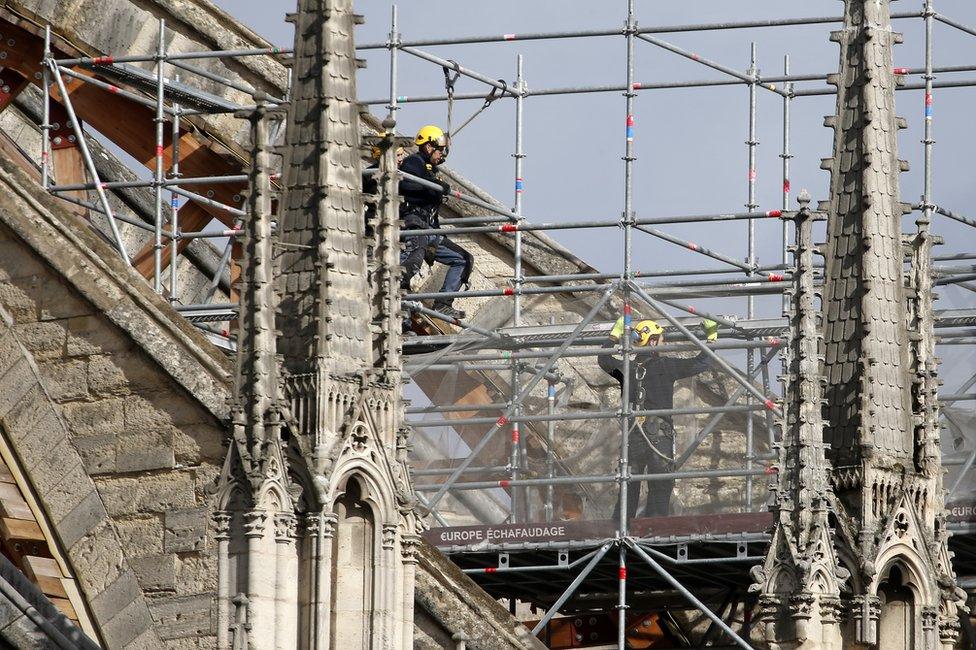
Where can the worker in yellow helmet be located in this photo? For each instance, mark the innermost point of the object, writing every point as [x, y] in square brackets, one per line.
[651, 438]
[419, 208]
[371, 186]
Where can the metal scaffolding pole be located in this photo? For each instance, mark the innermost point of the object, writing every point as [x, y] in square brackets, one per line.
[550, 448]
[602, 478]
[717, 418]
[786, 156]
[751, 143]
[46, 113]
[89, 163]
[687, 594]
[519, 454]
[660, 29]
[540, 374]
[750, 78]
[174, 205]
[394, 45]
[654, 304]
[571, 225]
[159, 171]
[571, 589]
[630, 31]
[457, 67]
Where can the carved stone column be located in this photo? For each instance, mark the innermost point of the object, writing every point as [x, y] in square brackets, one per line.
[286, 582]
[322, 568]
[387, 585]
[865, 612]
[409, 545]
[221, 523]
[259, 594]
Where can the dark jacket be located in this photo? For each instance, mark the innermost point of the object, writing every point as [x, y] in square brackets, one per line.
[418, 201]
[652, 377]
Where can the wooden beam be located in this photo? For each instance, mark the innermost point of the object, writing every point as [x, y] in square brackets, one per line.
[192, 218]
[12, 83]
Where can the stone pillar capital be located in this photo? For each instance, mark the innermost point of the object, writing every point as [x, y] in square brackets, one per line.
[389, 536]
[409, 546]
[221, 522]
[285, 527]
[254, 523]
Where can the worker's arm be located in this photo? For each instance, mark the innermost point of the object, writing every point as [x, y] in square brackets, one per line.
[411, 189]
[609, 364]
[683, 368]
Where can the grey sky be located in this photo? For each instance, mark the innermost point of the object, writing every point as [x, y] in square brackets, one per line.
[690, 143]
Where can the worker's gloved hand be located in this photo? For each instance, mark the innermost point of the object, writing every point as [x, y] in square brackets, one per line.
[430, 254]
[445, 188]
[710, 328]
[618, 329]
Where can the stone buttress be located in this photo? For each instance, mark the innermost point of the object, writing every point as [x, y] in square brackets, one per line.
[880, 415]
[318, 529]
[800, 582]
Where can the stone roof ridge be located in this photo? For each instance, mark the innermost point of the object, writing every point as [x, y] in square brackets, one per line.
[94, 269]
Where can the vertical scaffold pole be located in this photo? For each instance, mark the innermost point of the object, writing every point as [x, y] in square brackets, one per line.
[751, 206]
[928, 142]
[46, 122]
[159, 171]
[518, 446]
[625, 406]
[786, 156]
[174, 204]
[550, 449]
[393, 44]
[519, 156]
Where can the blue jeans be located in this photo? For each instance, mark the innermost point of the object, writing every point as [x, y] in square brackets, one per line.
[446, 252]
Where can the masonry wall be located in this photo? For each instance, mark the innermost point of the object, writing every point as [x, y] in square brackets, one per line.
[147, 447]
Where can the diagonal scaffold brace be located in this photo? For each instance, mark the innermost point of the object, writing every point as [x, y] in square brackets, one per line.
[526, 390]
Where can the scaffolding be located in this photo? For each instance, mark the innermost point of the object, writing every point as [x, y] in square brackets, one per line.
[531, 539]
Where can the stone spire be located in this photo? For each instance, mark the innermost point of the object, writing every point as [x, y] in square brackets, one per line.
[258, 387]
[866, 363]
[885, 498]
[323, 275]
[257, 499]
[800, 581]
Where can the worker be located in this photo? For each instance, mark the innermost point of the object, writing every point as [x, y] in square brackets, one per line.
[419, 207]
[651, 439]
[371, 185]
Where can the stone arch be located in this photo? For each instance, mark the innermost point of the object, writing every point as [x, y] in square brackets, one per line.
[898, 623]
[913, 569]
[379, 490]
[355, 548]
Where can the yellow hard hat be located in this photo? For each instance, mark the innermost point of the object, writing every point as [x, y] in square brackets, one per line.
[431, 134]
[646, 329]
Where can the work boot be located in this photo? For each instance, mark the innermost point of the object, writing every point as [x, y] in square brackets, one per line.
[448, 310]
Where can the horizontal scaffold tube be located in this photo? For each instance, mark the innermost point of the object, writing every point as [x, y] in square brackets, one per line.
[700, 285]
[618, 31]
[578, 352]
[581, 277]
[575, 480]
[571, 225]
[118, 185]
[661, 85]
[590, 415]
[962, 83]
